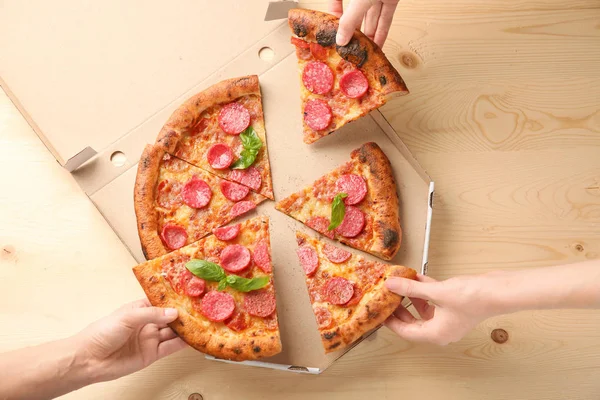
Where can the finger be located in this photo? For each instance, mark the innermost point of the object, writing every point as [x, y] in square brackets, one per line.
[404, 315]
[411, 288]
[425, 278]
[414, 332]
[165, 334]
[371, 19]
[385, 22]
[170, 347]
[351, 20]
[425, 310]
[336, 7]
[149, 315]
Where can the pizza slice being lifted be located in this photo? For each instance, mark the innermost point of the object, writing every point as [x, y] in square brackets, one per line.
[222, 287]
[356, 204]
[177, 203]
[339, 84]
[222, 130]
[346, 291]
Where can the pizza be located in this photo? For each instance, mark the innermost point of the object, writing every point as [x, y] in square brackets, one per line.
[222, 130]
[346, 291]
[222, 286]
[339, 84]
[356, 204]
[177, 203]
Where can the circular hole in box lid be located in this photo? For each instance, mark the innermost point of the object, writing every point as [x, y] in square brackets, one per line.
[118, 158]
[266, 54]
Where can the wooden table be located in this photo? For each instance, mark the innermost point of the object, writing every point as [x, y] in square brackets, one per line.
[505, 116]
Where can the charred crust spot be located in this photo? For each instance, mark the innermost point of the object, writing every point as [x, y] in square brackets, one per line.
[237, 351]
[143, 225]
[382, 80]
[162, 296]
[390, 238]
[326, 37]
[145, 162]
[333, 346]
[329, 335]
[152, 279]
[144, 251]
[221, 345]
[353, 52]
[180, 322]
[300, 29]
[256, 349]
[372, 314]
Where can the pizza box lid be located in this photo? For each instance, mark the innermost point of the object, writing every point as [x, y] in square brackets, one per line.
[97, 82]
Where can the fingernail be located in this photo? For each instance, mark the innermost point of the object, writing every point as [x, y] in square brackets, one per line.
[170, 312]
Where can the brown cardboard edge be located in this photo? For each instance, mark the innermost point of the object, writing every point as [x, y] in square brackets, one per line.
[31, 122]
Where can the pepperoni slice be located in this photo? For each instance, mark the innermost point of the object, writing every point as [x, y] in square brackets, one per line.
[335, 254]
[317, 77]
[168, 194]
[196, 193]
[233, 191]
[320, 224]
[353, 222]
[324, 318]
[354, 84]
[260, 303]
[354, 186]
[248, 177]
[300, 43]
[317, 114]
[338, 290]
[217, 306]
[237, 322]
[235, 258]
[173, 236]
[227, 232]
[234, 118]
[219, 156]
[241, 207]
[261, 256]
[356, 296]
[308, 259]
[319, 52]
[195, 286]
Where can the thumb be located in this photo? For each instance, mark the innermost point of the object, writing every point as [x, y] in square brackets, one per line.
[352, 19]
[149, 315]
[411, 288]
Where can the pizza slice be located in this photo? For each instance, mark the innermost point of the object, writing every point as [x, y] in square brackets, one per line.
[346, 291]
[356, 204]
[177, 203]
[222, 286]
[339, 84]
[222, 130]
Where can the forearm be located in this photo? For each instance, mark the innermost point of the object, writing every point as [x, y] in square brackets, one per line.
[565, 286]
[43, 372]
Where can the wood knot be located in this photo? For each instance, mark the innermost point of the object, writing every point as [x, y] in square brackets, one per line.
[409, 60]
[499, 336]
[579, 247]
[7, 253]
[195, 396]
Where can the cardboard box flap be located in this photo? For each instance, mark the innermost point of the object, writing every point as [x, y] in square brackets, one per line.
[91, 71]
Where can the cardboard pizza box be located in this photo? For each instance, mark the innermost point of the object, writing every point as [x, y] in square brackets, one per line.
[98, 80]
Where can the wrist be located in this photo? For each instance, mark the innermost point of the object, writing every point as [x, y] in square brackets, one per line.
[84, 368]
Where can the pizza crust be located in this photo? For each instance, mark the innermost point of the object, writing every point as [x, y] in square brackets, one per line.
[373, 310]
[143, 201]
[206, 340]
[386, 225]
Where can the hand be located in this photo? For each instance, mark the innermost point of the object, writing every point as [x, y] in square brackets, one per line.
[455, 311]
[377, 16]
[129, 339]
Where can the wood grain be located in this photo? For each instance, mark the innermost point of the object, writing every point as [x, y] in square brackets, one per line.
[504, 114]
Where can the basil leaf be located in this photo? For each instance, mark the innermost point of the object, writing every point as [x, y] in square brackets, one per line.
[206, 270]
[338, 210]
[252, 144]
[247, 285]
[222, 285]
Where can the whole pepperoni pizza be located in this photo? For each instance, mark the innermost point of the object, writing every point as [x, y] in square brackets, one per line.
[177, 203]
[339, 84]
[361, 195]
[346, 291]
[222, 286]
